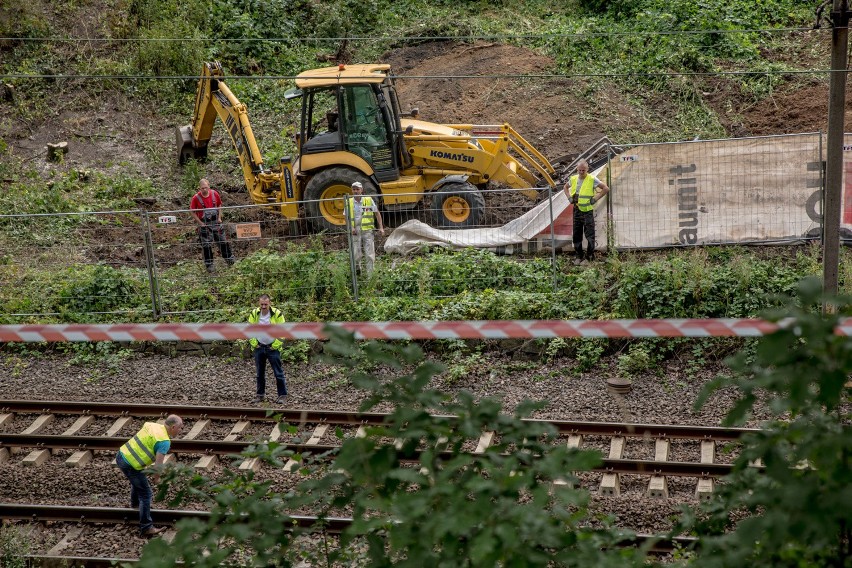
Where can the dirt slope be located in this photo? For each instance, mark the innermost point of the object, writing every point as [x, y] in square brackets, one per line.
[110, 133]
[543, 111]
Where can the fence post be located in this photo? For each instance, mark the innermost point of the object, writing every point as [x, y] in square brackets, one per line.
[552, 237]
[353, 269]
[153, 285]
[610, 226]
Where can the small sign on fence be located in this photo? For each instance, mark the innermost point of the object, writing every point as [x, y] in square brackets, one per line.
[627, 158]
[248, 230]
[165, 219]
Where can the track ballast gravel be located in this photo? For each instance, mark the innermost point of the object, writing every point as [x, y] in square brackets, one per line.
[664, 396]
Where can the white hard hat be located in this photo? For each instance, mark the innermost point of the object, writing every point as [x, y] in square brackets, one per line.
[357, 184]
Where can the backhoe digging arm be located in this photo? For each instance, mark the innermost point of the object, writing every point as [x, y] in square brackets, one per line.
[212, 98]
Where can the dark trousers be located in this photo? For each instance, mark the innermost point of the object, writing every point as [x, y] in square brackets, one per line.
[140, 492]
[584, 222]
[210, 234]
[262, 354]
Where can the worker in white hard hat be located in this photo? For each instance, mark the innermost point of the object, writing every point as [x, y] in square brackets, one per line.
[364, 217]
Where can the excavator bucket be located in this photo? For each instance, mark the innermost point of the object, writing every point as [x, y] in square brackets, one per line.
[185, 150]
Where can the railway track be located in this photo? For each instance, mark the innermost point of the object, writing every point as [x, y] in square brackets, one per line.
[39, 415]
[301, 416]
[34, 433]
[79, 519]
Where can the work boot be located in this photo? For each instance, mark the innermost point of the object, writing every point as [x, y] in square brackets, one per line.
[281, 399]
[576, 262]
[259, 398]
[152, 531]
[210, 269]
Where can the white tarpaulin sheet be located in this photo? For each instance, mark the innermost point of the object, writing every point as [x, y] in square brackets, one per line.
[529, 232]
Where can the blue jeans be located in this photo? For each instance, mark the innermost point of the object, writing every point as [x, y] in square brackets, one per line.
[140, 492]
[262, 354]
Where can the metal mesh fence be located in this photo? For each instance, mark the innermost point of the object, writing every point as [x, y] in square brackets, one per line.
[749, 190]
[287, 259]
[272, 255]
[148, 264]
[74, 263]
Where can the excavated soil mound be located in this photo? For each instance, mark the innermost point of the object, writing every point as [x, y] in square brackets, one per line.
[465, 83]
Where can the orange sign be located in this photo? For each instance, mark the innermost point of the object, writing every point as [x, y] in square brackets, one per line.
[248, 230]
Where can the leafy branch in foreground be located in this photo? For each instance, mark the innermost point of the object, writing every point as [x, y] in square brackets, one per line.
[798, 512]
[418, 494]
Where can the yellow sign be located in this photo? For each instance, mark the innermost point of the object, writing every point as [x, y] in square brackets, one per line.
[248, 230]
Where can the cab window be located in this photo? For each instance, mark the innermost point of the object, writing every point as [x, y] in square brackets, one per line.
[364, 125]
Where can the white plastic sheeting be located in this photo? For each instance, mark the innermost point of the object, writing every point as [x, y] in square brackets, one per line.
[530, 231]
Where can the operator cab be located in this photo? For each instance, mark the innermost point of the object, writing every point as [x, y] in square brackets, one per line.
[357, 113]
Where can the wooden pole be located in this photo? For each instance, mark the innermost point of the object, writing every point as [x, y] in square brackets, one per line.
[834, 151]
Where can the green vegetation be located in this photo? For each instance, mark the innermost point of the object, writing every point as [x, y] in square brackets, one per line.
[310, 283]
[627, 46]
[798, 511]
[15, 544]
[505, 507]
[618, 43]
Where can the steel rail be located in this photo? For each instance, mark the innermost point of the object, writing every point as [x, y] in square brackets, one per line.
[233, 448]
[302, 416]
[119, 515]
[331, 525]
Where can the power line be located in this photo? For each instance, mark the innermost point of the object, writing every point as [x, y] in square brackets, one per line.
[310, 39]
[403, 76]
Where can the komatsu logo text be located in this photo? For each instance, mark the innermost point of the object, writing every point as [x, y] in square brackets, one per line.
[450, 156]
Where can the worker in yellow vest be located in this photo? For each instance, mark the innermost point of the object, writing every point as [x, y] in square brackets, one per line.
[364, 215]
[265, 351]
[584, 190]
[149, 446]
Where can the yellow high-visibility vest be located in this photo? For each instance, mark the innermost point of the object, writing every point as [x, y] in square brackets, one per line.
[138, 451]
[368, 218]
[275, 316]
[587, 191]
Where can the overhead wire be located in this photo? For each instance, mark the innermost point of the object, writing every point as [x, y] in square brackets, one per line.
[771, 72]
[421, 38]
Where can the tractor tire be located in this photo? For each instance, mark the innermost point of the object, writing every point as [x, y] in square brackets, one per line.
[324, 197]
[457, 206]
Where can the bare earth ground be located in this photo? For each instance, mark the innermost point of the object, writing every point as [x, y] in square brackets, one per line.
[107, 132]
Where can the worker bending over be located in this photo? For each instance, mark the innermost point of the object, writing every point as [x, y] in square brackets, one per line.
[149, 446]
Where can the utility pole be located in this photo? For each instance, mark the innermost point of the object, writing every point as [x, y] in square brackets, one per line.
[834, 154]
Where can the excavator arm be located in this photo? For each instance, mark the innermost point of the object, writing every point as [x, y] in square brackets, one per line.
[213, 98]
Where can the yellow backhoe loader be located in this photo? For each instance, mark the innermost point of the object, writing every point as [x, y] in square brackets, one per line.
[365, 137]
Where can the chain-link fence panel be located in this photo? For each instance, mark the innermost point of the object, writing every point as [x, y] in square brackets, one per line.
[748, 190]
[78, 266]
[314, 272]
[163, 264]
[253, 251]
